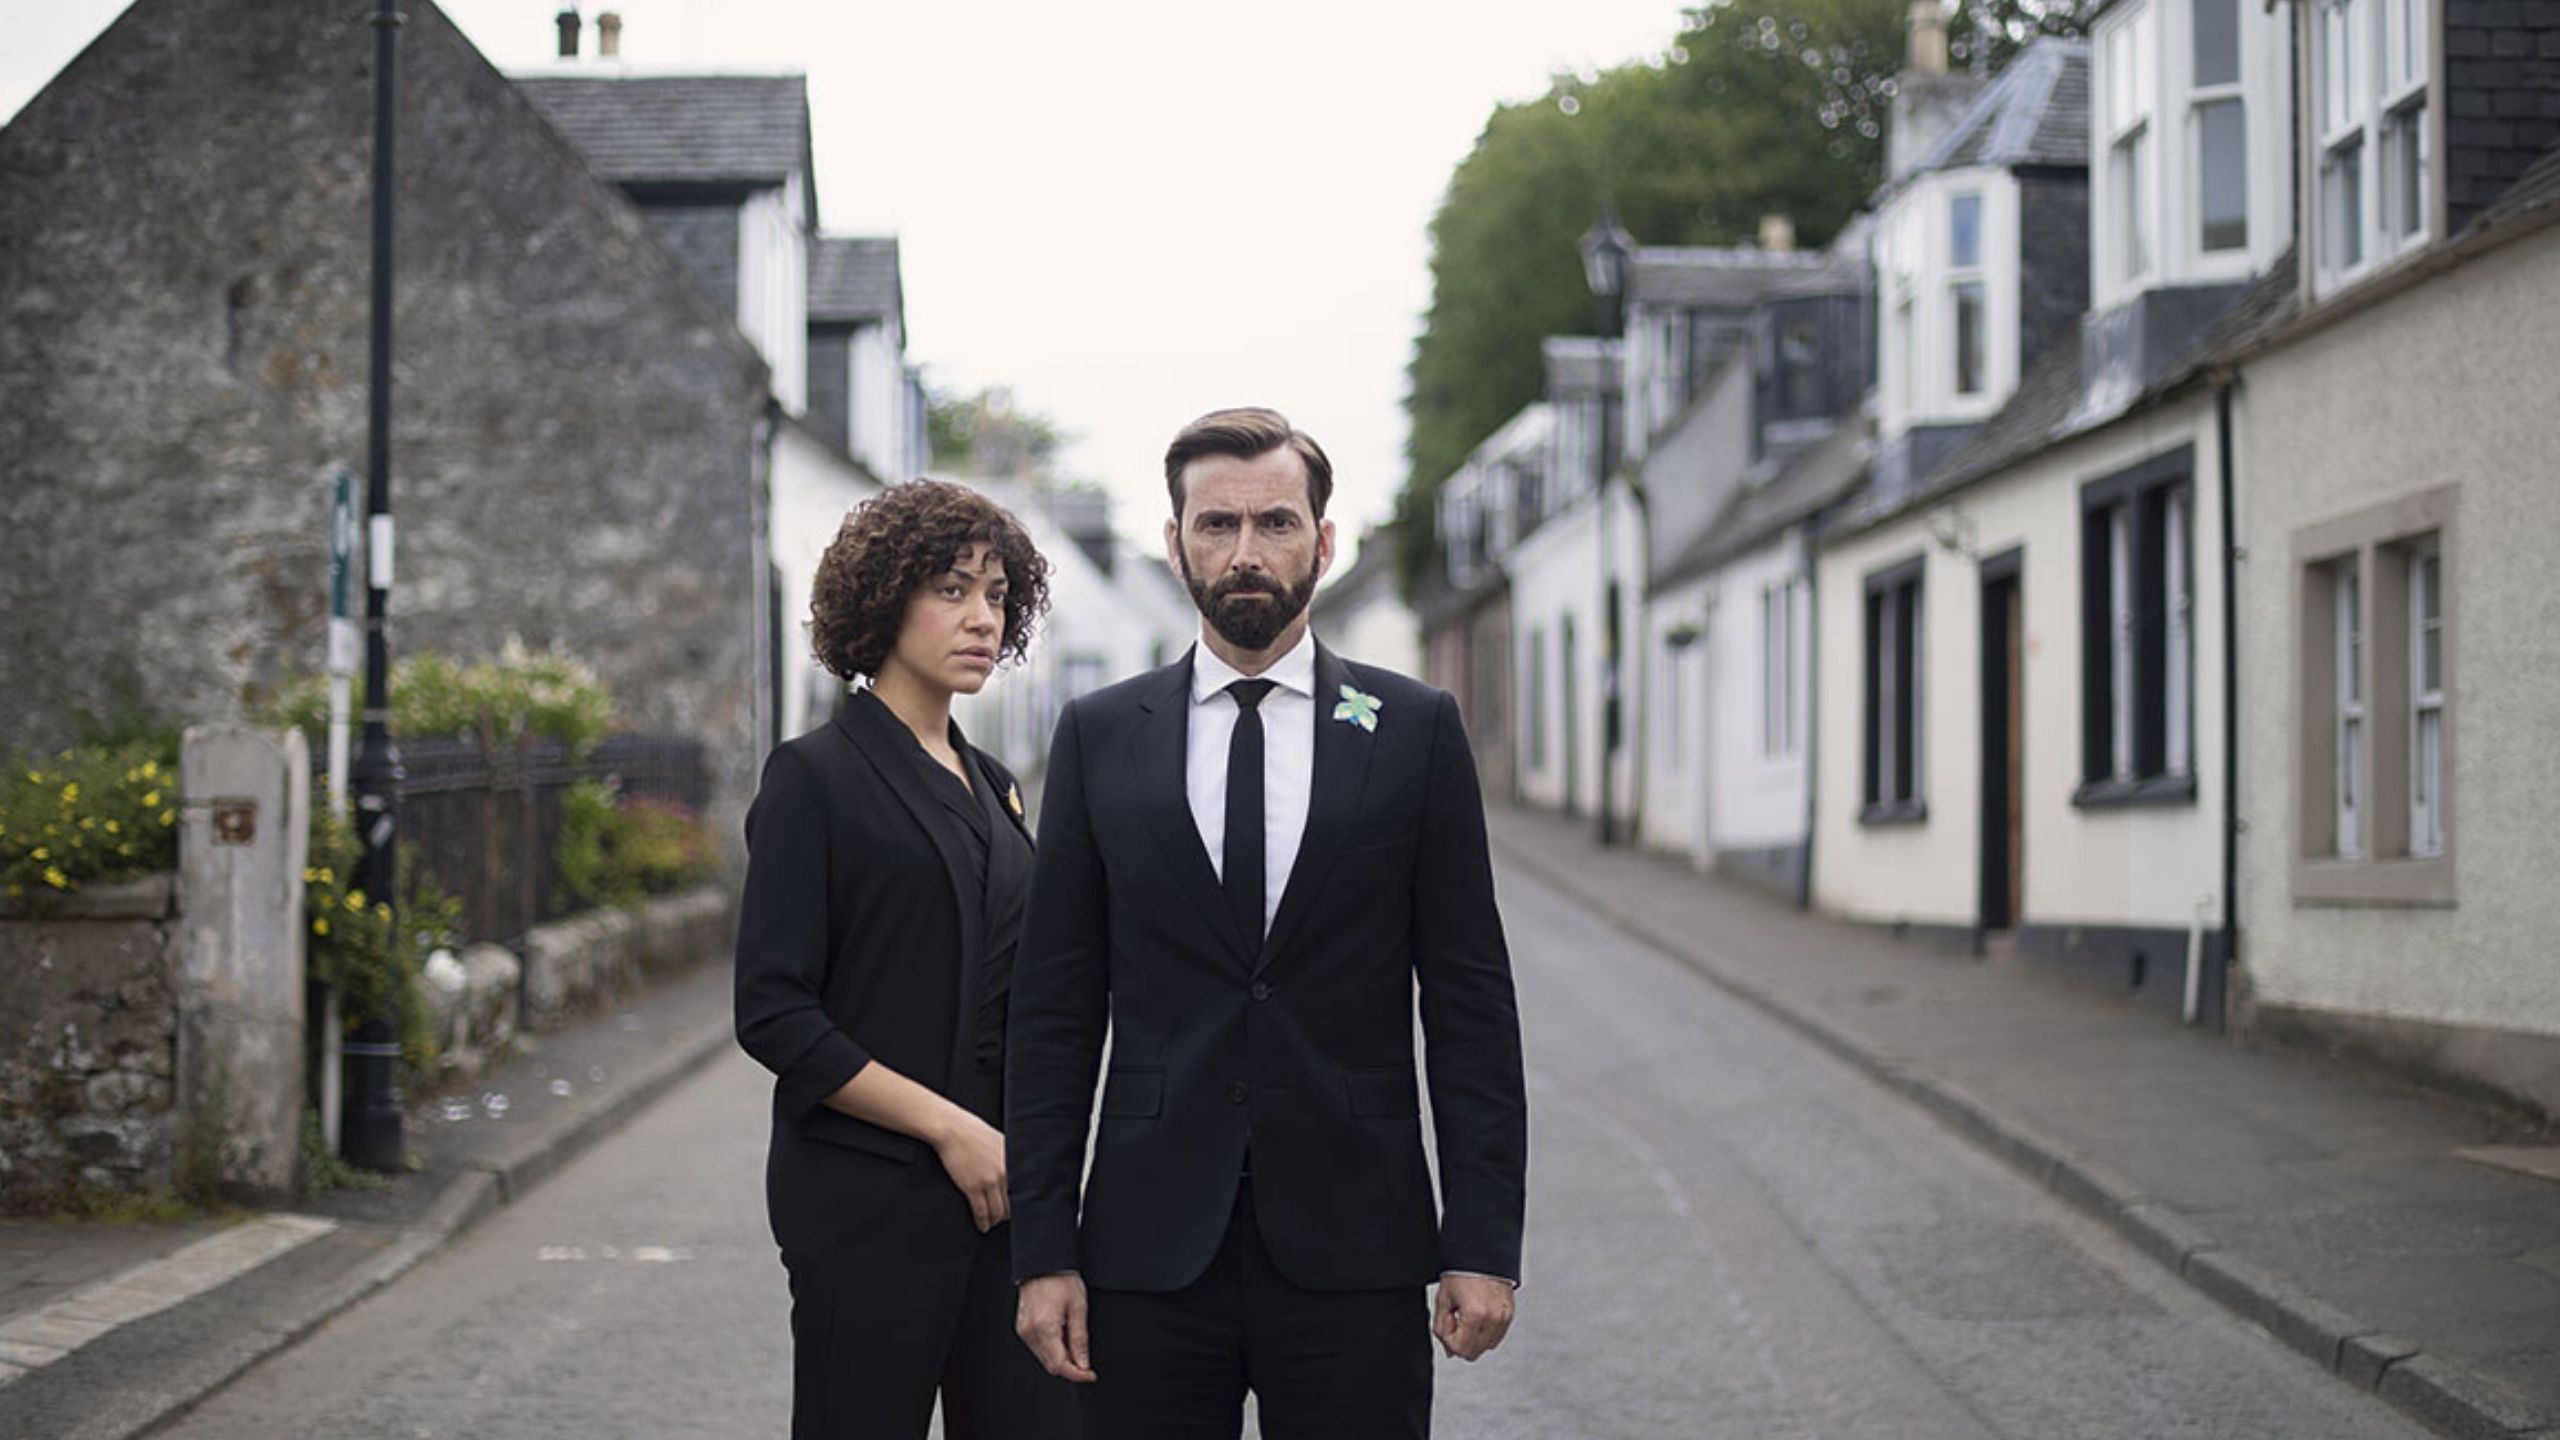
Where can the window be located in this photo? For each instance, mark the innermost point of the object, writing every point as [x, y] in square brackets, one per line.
[2376, 717]
[1893, 789]
[1670, 717]
[2218, 120]
[2370, 66]
[2138, 655]
[1779, 627]
[1964, 269]
[1799, 364]
[2426, 699]
[2126, 80]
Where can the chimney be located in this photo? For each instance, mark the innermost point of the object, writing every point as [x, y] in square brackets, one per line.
[609, 35]
[1928, 38]
[1777, 235]
[568, 19]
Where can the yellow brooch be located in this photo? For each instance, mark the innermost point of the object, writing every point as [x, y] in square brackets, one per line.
[1013, 801]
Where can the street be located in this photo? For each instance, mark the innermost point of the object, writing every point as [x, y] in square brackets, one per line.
[1730, 1233]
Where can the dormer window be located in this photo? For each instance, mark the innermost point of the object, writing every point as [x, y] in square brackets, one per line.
[2370, 67]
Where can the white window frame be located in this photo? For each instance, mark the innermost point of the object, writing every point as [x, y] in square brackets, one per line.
[1962, 277]
[2371, 83]
[2347, 594]
[2426, 702]
[2120, 638]
[2178, 724]
[2127, 55]
[1778, 635]
[2200, 98]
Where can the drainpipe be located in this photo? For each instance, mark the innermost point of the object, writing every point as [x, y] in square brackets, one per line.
[2232, 555]
[1808, 744]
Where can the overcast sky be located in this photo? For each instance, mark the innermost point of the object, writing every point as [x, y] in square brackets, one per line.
[1128, 211]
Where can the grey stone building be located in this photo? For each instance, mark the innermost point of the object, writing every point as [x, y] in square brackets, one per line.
[183, 331]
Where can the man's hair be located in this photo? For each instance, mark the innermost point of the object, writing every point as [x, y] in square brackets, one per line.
[1245, 433]
[890, 546]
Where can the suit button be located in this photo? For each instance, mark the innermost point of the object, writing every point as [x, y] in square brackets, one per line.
[1261, 990]
[1236, 1092]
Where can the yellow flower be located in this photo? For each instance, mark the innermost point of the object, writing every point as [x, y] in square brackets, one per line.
[150, 798]
[125, 850]
[150, 769]
[114, 829]
[168, 817]
[35, 777]
[320, 926]
[55, 878]
[71, 793]
[309, 875]
[384, 911]
[355, 900]
[40, 853]
[88, 822]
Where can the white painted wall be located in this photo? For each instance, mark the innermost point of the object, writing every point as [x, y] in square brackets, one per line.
[1555, 572]
[773, 287]
[812, 490]
[2449, 383]
[1757, 792]
[1682, 708]
[1382, 631]
[2145, 866]
[877, 415]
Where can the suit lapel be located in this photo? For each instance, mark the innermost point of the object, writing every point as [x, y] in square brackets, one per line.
[1160, 755]
[883, 740]
[1341, 773]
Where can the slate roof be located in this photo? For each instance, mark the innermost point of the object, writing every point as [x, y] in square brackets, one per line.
[1705, 278]
[1812, 481]
[2535, 189]
[683, 129]
[854, 278]
[2035, 113]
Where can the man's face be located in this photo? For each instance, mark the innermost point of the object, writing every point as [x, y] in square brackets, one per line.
[1249, 547]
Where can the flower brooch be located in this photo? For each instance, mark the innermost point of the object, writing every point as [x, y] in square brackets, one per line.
[1359, 709]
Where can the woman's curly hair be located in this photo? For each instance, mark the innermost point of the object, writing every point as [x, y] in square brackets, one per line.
[889, 547]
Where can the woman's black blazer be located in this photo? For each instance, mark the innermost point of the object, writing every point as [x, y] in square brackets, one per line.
[853, 946]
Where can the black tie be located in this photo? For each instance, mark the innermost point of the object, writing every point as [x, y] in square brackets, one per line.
[1244, 848]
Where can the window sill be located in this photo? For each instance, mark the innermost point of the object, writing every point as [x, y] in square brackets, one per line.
[2404, 882]
[2152, 790]
[1894, 812]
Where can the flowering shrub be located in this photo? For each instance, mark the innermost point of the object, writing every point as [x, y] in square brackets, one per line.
[90, 814]
[355, 945]
[615, 850]
[541, 694]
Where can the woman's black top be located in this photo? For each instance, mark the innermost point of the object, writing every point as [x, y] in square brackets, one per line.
[995, 880]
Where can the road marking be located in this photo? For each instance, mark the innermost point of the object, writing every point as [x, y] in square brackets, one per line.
[46, 1334]
[637, 1254]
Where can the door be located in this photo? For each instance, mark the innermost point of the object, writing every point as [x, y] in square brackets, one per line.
[1572, 726]
[2003, 744]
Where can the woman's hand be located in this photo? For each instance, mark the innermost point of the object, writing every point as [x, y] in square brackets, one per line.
[972, 1154]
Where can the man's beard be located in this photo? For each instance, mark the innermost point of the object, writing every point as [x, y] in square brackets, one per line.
[1249, 624]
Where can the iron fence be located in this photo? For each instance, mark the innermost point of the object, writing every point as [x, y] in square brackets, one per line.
[484, 825]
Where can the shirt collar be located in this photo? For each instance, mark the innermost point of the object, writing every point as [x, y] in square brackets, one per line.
[1294, 672]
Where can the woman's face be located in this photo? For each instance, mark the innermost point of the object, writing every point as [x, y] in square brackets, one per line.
[954, 624]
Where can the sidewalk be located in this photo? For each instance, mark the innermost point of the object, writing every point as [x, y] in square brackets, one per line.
[2394, 1237]
[106, 1330]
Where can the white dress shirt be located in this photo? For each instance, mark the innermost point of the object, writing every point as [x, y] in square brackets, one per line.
[1288, 759]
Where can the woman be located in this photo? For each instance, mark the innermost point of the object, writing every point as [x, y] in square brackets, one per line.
[887, 868]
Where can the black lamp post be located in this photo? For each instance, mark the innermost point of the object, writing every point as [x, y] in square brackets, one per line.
[1606, 250]
[371, 1124]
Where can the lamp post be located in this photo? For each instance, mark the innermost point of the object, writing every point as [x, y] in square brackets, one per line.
[372, 1121]
[1606, 249]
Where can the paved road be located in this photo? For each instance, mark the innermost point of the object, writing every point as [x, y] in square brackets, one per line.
[1730, 1234]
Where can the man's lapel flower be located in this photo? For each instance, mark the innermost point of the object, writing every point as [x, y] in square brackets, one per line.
[1359, 709]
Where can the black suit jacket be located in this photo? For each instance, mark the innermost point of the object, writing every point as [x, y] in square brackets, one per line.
[853, 945]
[1301, 1045]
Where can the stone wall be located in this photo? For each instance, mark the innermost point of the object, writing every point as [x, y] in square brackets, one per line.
[89, 1044]
[184, 263]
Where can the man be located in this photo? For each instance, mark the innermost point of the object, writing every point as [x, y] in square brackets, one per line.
[1250, 861]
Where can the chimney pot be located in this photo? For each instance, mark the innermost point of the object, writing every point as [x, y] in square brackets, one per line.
[1777, 234]
[1928, 38]
[568, 21]
[609, 35]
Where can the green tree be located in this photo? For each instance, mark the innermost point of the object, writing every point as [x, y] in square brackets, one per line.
[1758, 107]
[986, 434]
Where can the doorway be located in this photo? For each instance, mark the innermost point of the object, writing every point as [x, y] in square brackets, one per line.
[2003, 744]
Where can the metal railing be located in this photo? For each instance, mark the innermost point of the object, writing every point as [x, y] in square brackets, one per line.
[484, 825]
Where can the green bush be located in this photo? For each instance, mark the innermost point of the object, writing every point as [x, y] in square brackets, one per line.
[357, 946]
[92, 814]
[619, 850]
[521, 694]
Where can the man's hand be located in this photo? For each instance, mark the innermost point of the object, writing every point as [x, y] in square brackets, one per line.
[1472, 1314]
[972, 1154]
[1049, 1315]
